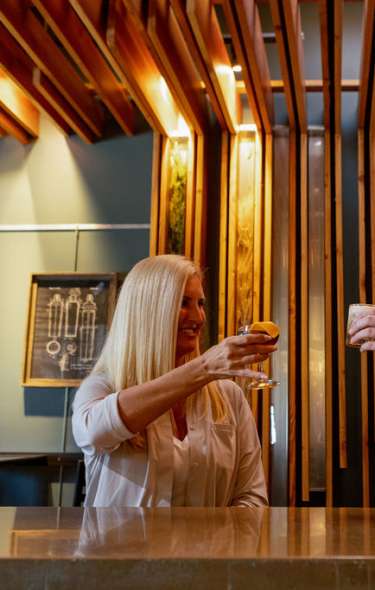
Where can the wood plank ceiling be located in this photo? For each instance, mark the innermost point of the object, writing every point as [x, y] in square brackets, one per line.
[98, 67]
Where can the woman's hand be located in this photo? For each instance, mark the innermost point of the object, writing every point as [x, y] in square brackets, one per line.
[234, 354]
[362, 331]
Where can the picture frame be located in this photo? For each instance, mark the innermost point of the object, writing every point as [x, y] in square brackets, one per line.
[68, 319]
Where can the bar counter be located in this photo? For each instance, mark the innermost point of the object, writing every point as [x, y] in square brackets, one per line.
[187, 548]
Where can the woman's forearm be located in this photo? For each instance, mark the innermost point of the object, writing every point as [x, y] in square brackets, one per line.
[141, 404]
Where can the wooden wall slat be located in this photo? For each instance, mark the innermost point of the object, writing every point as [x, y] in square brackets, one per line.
[155, 193]
[163, 198]
[258, 265]
[224, 238]
[232, 236]
[324, 42]
[340, 307]
[337, 49]
[362, 298]
[371, 263]
[292, 327]
[328, 382]
[292, 19]
[190, 197]
[267, 306]
[368, 32]
[200, 222]
[304, 325]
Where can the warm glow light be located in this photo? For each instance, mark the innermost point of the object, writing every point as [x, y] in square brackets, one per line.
[223, 69]
[164, 89]
[182, 129]
[246, 127]
[237, 68]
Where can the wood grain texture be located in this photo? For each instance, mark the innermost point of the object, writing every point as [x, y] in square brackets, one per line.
[292, 327]
[155, 193]
[25, 27]
[368, 28]
[200, 224]
[78, 43]
[206, 29]
[223, 249]
[340, 307]
[328, 381]
[362, 231]
[304, 324]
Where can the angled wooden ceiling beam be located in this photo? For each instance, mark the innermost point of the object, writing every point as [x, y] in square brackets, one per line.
[10, 126]
[287, 22]
[206, 29]
[176, 63]
[327, 64]
[331, 44]
[179, 11]
[114, 30]
[78, 42]
[58, 102]
[367, 62]
[19, 68]
[18, 105]
[25, 27]
[244, 24]
[144, 79]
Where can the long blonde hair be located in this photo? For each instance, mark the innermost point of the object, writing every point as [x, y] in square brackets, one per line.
[141, 344]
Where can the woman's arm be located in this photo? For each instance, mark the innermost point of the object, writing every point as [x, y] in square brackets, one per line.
[102, 419]
[141, 404]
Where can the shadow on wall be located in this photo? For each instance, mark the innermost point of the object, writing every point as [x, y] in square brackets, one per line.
[42, 401]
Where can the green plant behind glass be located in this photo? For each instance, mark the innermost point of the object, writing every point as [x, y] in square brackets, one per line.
[177, 198]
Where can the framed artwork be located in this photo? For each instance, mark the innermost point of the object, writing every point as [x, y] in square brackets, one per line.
[68, 320]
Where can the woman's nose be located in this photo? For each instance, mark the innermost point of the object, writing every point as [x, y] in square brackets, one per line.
[197, 313]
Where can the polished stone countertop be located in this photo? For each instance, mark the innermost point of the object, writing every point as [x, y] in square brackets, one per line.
[187, 548]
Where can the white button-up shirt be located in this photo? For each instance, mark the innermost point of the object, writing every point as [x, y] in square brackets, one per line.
[225, 458]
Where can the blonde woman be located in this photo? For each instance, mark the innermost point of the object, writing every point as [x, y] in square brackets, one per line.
[156, 426]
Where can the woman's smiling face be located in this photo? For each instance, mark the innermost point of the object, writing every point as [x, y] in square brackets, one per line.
[192, 317]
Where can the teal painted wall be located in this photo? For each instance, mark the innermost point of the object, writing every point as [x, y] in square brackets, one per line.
[58, 180]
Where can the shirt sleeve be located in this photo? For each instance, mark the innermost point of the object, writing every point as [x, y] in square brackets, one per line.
[96, 421]
[250, 486]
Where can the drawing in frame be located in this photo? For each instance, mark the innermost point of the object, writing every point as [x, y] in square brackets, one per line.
[68, 320]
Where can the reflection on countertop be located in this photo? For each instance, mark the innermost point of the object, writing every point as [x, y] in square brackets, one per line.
[186, 533]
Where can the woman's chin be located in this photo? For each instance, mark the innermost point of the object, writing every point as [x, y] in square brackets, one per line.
[186, 348]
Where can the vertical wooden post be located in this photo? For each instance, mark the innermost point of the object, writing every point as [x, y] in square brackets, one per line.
[340, 305]
[362, 299]
[223, 253]
[328, 318]
[304, 324]
[292, 353]
[155, 193]
[267, 306]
